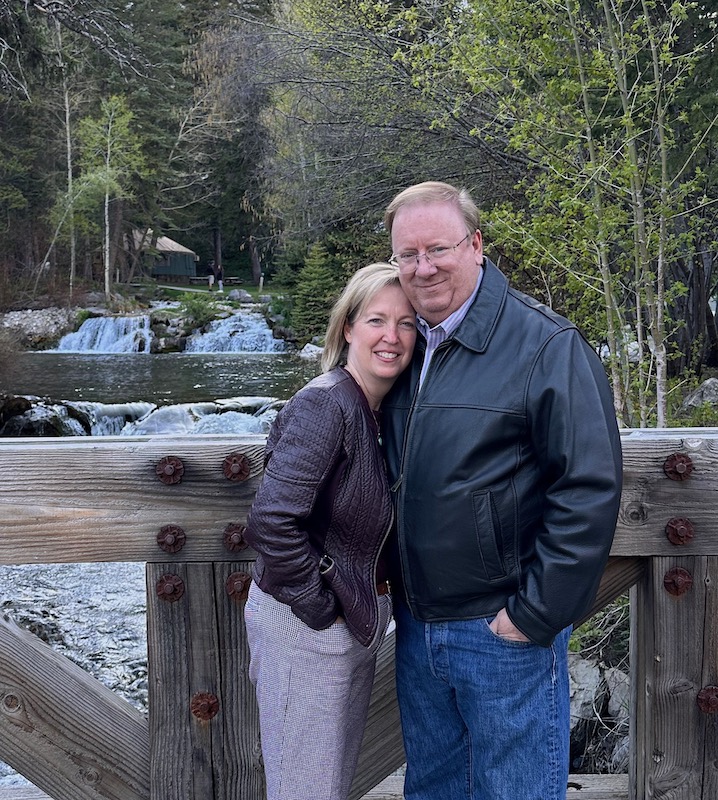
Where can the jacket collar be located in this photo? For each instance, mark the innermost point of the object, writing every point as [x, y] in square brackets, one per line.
[478, 325]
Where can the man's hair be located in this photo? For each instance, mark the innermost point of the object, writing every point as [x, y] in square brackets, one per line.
[360, 289]
[434, 192]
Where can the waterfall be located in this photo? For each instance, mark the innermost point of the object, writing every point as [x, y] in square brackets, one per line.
[247, 332]
[109, 335]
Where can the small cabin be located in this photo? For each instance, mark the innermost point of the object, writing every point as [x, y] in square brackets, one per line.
[165, 259]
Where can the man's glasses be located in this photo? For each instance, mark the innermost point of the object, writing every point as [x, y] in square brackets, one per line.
[408, 261]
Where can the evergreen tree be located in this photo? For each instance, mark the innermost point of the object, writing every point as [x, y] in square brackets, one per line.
[318, 285]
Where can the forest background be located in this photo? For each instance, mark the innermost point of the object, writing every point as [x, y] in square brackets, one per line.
[271, 135]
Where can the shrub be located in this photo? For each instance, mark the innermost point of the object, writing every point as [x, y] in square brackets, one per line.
[201, 308]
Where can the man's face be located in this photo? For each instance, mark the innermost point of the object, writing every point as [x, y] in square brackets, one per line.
[436, 290]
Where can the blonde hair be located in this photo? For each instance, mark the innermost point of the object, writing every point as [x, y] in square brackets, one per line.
[360, 289]
[434, 192]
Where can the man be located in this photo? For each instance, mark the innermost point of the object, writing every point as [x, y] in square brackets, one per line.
[505, 460]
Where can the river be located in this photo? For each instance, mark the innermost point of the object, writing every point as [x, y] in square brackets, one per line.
[95, 613]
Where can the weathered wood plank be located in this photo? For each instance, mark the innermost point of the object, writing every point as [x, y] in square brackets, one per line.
[62, 729]
[99, 499]
[580, 787]
[102, 501]
[670, 665]
[191, 651]
[650, 499]
[618, 577]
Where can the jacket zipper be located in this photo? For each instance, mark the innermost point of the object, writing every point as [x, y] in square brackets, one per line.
[397, 487]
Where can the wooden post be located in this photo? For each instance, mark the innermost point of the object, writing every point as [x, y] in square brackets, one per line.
[674, 657]
[204, 725]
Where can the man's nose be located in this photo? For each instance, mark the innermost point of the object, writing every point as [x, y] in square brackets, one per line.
[424, 265]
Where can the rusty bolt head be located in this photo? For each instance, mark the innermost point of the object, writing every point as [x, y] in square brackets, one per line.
[171, 538]
[170, 470]
[237, 585]
[708, 700]
[678, 467]
[679, 530]
[677, 581]
[236, 467]
[234, 537]
[204, 705]
[170, 588]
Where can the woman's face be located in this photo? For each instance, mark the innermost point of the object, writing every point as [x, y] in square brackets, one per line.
[381, 341]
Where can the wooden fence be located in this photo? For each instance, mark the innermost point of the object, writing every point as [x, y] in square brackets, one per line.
[178, 504]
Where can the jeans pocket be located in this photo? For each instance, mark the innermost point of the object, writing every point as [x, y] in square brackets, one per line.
[503, 639]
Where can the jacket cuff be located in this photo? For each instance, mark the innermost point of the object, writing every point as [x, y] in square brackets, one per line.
[317, 612]
[529, 624]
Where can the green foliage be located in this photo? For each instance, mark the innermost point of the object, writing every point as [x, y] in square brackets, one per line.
[200, 307]
[8, 348]
[82, 315]
[318, 284]
[605, 636]
[704, 415]
[111, 151]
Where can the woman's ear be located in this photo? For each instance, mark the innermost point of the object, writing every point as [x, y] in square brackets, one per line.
[347, 332]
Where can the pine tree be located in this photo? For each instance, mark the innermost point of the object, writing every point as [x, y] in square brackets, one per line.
[317, 288]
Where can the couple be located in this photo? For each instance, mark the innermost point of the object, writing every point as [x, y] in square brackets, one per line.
[491, 524]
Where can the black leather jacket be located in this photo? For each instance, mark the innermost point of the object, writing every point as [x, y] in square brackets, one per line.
[506, 468]
[324, 493]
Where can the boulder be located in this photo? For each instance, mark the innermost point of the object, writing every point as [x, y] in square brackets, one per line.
[311, 351]
[705, 394]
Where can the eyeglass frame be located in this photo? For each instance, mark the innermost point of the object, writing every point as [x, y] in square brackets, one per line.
[394, 258]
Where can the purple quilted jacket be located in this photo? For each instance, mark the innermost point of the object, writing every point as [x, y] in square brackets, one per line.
[324, 497]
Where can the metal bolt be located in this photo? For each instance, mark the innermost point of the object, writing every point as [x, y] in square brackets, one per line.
[237, 586]
[170, 470]
[234, 537]
[170, 588]
[677, 581]
[171, 538]
[678, 467]
[679, 530]
[708, 700]
[236, 467]
[204, 705]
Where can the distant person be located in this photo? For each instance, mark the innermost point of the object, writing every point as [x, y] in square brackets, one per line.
[210, 274]
[319, 605]
[219, 271]
[505, 460]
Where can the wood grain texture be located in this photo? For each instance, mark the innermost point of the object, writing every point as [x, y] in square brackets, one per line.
[674, 655]
[197, 644]
[62, 729]
[78, 500]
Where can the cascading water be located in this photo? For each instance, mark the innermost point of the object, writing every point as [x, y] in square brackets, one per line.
[109, 335]
[247, 332]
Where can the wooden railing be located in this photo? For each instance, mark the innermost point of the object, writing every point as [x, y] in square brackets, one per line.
[178, 504]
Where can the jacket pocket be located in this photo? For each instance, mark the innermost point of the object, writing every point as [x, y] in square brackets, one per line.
[487, 527]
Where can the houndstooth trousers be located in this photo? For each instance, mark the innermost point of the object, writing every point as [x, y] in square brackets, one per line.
[313, 690]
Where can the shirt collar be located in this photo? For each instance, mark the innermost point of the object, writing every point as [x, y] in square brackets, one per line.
[452, 322]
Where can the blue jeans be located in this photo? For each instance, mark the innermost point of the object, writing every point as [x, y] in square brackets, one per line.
[483, 718]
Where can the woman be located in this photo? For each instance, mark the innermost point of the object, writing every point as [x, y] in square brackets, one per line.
[319, 606]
